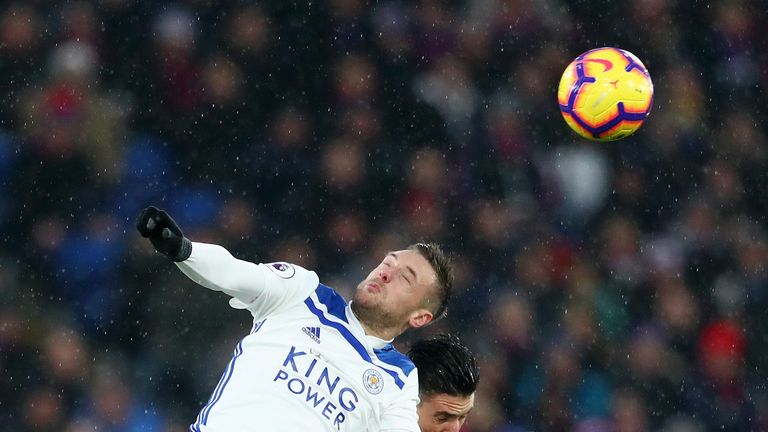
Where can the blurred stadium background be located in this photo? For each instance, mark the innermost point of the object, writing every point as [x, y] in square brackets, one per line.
[605, 287]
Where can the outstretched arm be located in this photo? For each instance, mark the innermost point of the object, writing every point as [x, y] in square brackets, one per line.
[261, 288]
[215, 268]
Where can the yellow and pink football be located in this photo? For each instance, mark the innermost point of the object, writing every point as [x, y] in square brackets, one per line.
[605, 94]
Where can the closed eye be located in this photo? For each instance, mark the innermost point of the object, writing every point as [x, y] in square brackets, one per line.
[402, 274]
[445, 417]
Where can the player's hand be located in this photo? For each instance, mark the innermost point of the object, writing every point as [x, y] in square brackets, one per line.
[164, 233]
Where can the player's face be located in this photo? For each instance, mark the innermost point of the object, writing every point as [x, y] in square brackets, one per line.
[444, 413]
[397, 287]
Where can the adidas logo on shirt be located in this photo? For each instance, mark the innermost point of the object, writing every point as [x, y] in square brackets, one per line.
[312, 332]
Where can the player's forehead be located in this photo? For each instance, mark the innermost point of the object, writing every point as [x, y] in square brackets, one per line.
[449, 404]
[414, 260]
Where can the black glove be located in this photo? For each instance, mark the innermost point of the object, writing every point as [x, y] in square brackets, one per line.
[164, 233]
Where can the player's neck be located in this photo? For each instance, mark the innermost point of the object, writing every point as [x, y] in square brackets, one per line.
[383, 334]
[372, 327]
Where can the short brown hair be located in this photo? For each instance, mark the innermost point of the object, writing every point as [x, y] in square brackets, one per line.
[441, 264]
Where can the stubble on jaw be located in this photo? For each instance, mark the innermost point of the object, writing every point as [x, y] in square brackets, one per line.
[373, 318]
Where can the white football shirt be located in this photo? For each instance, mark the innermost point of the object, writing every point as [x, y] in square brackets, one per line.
[307, 364]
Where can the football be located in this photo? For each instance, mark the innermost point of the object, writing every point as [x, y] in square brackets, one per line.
[605, 94]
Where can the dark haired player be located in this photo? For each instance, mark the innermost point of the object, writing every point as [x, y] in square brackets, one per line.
[448, 378]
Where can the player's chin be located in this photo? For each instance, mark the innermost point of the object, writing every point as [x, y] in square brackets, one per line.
[365, 297]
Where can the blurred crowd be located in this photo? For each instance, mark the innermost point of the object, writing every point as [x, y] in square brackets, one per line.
[604, 287]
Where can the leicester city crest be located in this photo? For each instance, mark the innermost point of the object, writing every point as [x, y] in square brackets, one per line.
[373, 381]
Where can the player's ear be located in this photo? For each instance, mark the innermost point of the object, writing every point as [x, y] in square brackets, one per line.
[420, 318]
